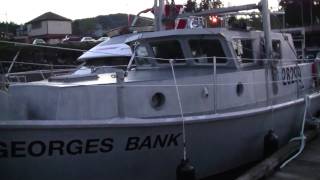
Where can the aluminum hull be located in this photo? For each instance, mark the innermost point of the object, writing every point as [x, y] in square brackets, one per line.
[106, 150]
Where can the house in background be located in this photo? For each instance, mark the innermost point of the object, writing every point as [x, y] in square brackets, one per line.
[50, 27]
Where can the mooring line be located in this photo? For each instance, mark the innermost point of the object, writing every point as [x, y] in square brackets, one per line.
[181, 110]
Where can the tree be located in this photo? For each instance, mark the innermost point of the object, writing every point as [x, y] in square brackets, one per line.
[301, 12]
[204, 5]
[217, 4]
[191, 6]
[210, 4]
[9, 28]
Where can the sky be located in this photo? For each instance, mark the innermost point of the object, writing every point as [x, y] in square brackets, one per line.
[22, 11]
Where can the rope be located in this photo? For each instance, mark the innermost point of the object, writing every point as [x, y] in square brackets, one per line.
[57, 48]
[38, 64]
[42, 46]
[181, 111]
[302, 137]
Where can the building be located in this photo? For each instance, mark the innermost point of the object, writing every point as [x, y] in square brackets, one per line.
[302, 20]
[50, 27]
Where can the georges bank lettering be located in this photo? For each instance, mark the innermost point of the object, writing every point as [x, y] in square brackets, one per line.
[38, 148]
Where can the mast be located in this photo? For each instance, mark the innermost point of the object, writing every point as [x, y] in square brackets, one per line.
[155, 9]
[158, 14]
[268, 46]
[266, 28]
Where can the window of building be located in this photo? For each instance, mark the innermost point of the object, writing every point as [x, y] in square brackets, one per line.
[206, 49]
[243, 49]
[36, 25]
[167, 50]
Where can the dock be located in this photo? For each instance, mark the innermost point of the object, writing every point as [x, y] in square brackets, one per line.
[305, 167]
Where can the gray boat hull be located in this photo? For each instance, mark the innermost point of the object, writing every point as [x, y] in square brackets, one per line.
[4, 105]
[97, 150]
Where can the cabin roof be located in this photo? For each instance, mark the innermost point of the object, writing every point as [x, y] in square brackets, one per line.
[48, 16]
[189, 32]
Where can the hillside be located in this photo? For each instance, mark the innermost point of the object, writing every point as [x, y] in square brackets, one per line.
[97, 26]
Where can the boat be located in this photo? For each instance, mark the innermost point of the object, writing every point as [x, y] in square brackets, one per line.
[210, 95]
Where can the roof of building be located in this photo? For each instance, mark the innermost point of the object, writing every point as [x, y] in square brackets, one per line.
[49, 16]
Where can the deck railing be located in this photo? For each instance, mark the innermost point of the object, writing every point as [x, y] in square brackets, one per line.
[287, 72]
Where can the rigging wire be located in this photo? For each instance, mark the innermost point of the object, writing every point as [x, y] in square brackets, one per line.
[181, 111]
[42, 46]
[57, 48]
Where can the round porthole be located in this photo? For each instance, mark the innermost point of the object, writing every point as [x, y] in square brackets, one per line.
[240, 89]
[158, 100]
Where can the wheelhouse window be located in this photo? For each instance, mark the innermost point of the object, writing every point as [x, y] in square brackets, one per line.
[276, 49]
[244, 50]
[108, 61]
[205, 49]
[167, 50]
[142, 55]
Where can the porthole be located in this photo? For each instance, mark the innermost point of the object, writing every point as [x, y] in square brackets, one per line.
[158, 100]
[240, 89]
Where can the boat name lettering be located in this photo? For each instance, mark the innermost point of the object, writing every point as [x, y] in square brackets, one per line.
[152, 142]
[38, 148]
[20, 149]
[291, 75]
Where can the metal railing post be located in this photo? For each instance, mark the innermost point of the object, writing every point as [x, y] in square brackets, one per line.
[215, 84]
[13, 61]
[267, 65]
[297, 81]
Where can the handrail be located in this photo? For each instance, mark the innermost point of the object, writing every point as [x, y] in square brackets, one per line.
[14, 61]
[17, 77]
[215, 102]
[176, 60]
[231, 58]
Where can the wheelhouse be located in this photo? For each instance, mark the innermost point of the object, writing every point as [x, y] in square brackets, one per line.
[231, 49]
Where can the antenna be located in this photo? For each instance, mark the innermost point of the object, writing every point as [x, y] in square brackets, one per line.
[7, 29]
